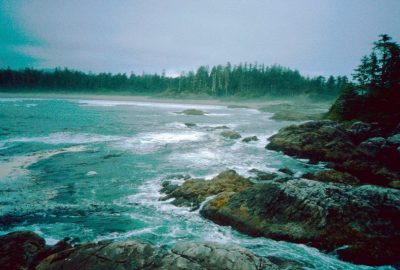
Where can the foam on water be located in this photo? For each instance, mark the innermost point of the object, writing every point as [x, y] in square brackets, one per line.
[16, 166]
[66, 138]
[109, 103]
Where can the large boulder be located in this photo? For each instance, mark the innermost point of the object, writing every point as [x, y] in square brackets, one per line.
[361, 221]
[333, 176]
[211, 255]
[374, 161]
[315, 140]
[194, 191]
[192, 112]
[230, 134]
[19, 249]
[103, 255]
[135, 255]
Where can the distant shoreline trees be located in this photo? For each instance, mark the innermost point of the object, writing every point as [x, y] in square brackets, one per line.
[243, 80]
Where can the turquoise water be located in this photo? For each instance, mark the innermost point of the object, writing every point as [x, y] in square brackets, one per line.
[91, 170]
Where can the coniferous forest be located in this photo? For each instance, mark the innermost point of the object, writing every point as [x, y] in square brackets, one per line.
[243, 80]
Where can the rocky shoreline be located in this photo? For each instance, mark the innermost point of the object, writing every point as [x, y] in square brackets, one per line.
[351, 210]
[26, 250]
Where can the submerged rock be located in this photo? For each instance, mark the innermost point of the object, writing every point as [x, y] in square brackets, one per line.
[324, 215]
[249, 139]
[193, 112]
[286, 171]
[190, 125]
[194, 191]
[230, 134]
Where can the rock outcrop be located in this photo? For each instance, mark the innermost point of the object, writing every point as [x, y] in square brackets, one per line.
[373, 160]
[362, 221]
[20, 250]
[193, 112]
[358, 222]
[230, 134]
[194, 191]
[249, 139]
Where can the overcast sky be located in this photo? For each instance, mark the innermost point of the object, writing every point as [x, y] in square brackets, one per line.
[314, 36]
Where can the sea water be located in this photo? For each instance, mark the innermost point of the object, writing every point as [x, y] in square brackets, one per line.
[92, 170]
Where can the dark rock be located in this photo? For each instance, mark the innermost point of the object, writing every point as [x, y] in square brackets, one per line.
[333, 176]
[219, 256]
[374, 161]
[19, 249]
[394, 140]
[178, 176]
[194, 191]
[296, 116]
[193, 112]
[112, 155]
[233, 106]
[168, 188]
[132, 255]
[372, 147]
[249, 139]
[316, 140]
[104, 255]
[262, 176]
[360, 131]
[324, 215]
[190, 125]
[286, 171]
[230, 134]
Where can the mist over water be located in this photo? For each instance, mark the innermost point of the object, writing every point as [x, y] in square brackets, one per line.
[92, 170]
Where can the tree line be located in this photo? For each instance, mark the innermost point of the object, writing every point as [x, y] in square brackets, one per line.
[375, 97]
[243, 80]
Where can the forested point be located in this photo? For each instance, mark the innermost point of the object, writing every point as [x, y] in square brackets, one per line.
[375, 97]
[244, 80]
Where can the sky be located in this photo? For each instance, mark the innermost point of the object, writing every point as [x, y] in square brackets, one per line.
[317, 37]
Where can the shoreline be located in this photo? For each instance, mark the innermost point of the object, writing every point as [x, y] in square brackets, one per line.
[251, 104]
[246, 103]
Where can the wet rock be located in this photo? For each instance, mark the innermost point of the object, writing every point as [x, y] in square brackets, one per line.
[372, 147]
[19, 249]
[103, 255]
[178, 176]
[234, 106]
[262, 176]
[108, 156]
[221, 256]
[190, 125]
[194, 191]
[333, 176]
[360, 131]
[193, 112]
[394, 140]
[168, 188]
[373, 161]
[286, 171]
[295, 116]
[324, 215]
[316, 140]
[249, 139]
[132, 255]
[230, 134]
